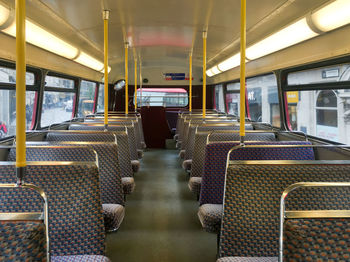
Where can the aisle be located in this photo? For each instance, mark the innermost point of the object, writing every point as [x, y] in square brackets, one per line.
[161, 217]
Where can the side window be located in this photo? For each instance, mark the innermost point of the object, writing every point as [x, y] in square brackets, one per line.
[86, 98]
[219, 98]
[59, 100]
[101, 98]
[324, 113]
[167, 97]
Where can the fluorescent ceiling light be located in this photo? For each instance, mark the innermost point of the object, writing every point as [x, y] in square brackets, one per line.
[215, 70]
[89, 61]
[230, 63]
[103, 70]
[4, 14]
[291, 35]
[37, 36]
[210, 73]
[332, 16]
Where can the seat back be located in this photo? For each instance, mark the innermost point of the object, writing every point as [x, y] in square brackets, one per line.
[250, 224]
[76, 224]
[213, 178]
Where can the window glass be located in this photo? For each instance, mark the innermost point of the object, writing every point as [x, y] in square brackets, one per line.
[232, 104]
[167, 97]
[8, 76]
[8, 111]
[219, 98]
[57, 107]
[59, 82]
[86, 98]
[338, 73]
[233, 87]
[101, 98]
[321, 113]
[262, 96]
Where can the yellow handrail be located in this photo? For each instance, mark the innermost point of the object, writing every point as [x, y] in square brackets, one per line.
[126, 80]
[20, 87]
[204, 104]
[190, 103]
[105, 22]
[243, 49]
[135, 93]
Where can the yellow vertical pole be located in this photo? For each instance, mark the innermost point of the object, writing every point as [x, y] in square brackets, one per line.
[105, 21]
[20, 89]
[126, 80]
[135, 93]
[190, 104]
[243, 49]
[204, 104]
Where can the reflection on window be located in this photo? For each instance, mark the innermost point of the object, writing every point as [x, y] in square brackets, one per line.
[324, 114]
[8, 76]
[338, 73]
[101, 98]
[86, 98]
[167, 97]
[57, 107]
[59, 82]
[219, 98]
[232, 104]
[8, 111]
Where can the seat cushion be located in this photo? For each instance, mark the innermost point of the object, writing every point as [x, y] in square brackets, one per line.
[210, 216]
[248, 259]
[143, 145]
[178, 144]
[195, 184]
[113, 215]
[80, 258]
[135, 164]
[139, 153]
[128, 185]
[182, 154]
[176, 137]
[187, 164]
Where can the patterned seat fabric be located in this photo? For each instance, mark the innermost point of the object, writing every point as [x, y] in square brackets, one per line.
[210, 216]
[194, 184]
[252, 197]
[84, 258]
[316, 240]
[248, 259]
[187, 164]
[113, 215]
[76, 221]
[213, 179]
[128, 185]
[22, 241]
[135, 165]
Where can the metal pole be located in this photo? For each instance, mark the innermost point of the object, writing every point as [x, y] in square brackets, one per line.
[190, 103]
[126, 80]
[105, 21]
[20, 89]
[243, 49]
[204, 73]
[135, 93]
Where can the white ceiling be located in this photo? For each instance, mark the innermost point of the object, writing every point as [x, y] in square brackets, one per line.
[163, 32]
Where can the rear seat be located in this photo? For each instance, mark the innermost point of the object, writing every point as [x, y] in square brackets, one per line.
[200, 139]
[252, 197]
[135, 163]
[109, 173]
[213, 183]
[76, 225]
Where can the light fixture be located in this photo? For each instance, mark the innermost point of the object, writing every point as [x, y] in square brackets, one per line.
[332, 16]
[37, 36]
[288, 36]
[4, 14]
[103, 70]
[210, 73]
[89, 61]
[230, 63]
[215, 70]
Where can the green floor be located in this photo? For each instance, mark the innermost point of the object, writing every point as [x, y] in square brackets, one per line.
[161, 221]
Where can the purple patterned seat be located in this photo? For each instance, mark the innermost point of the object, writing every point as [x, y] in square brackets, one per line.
[110, 179]
[248, 259]
[199, 152]
[213, 179]
[252, 201]
[75, 213]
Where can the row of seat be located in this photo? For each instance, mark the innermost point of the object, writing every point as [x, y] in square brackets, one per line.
[86, 172]
[218, 214]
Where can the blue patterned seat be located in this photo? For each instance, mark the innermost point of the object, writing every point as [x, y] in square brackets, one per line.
[252, 198]
[75, 210]
[110, 179]
[248, 259]
[213, 179]
[85, 258]
[199, 152]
